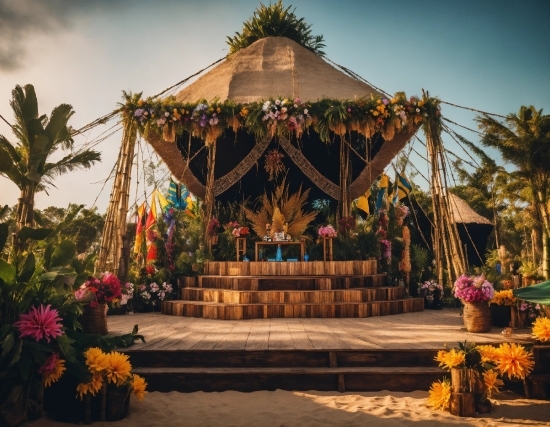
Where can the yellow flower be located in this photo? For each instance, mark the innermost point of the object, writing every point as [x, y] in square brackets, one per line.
[452, 359]
[96, 360]
[505, 297]
[393, 100]
[541, 329]
[492, 382]
[421, 103]
[140, 102]
[440, 394]
[52, 376]
[440, 356]
[118, 367]
[488, 353]
[514, 360]
[375, 113]
[138, 387]
[92, 387]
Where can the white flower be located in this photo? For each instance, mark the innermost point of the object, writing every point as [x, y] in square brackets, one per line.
[266, 106]
[167, 114]
[146, 295]
[277, 102]
[154, 287]
[418, 110]
[306, 111]
[284, 109]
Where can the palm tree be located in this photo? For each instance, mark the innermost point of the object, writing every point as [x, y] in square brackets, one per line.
[524, 141]
[276, 21]
[25, 163]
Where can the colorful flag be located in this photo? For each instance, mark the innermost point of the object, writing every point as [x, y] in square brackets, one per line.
[381, 197]
[177, 195]
[363, 202]
[140, 231]
[152, 217]
[402, 188]
[164, 204]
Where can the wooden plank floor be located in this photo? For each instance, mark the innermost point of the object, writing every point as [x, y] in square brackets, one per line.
[429, 329]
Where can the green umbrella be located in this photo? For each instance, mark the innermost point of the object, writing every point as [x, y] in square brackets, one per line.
[539, 294]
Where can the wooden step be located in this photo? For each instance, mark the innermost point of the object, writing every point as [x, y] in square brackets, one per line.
[290, 378]
[292, 297]
[313, 268]
[225, 311]
[281, 358]
[286, 282]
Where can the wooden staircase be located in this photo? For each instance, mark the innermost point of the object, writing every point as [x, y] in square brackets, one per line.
[251, 370]
[256, 290]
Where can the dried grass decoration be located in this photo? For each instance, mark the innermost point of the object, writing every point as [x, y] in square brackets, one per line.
[281, 210]
[273, 163]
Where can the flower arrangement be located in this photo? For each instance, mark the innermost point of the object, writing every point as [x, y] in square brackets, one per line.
[385, 248]
[281, 115]
[237, 230]
[505, 297]
[401, 212]
[541, 329]
[429, 290]
[473, 289]
[99, 290]
[488, 363]
[213, 227]
[531, 310]
[110, 370]
[152, 294]
[327, 231]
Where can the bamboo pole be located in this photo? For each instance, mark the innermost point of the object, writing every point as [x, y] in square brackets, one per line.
[111, 247]
[345, 179]
[209, 196]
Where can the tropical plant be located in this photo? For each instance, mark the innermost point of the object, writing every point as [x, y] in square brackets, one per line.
[26, 162]
[524, 141]
[276, 21]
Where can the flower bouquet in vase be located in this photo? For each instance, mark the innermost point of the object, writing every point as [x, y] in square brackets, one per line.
[95, 293]
[432, 293]
[475, 292]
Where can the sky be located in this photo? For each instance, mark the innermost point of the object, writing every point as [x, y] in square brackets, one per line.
[490, 55]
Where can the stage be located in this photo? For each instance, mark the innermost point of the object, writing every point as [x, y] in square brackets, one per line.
[378, 353]
[429, 329]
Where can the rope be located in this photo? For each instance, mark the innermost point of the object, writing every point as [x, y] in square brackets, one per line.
[188, 78]
[473, 109]
[467, 128]
[450, 132]
[357, 76]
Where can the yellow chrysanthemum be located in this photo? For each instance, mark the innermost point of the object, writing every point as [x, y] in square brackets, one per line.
[53, 376]
[440, 395]
[96, 360]
[541, 329]
[138, 386]
[440, 356]
[452, 359]
[92, 387]
[505, 297]
[492, 382]
[118, 367]
[488, 353]
[514, 360]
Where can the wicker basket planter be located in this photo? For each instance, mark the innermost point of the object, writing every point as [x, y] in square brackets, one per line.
[477, 317]
[94, 319]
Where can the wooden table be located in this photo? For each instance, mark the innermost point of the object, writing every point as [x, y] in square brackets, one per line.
[282, 243]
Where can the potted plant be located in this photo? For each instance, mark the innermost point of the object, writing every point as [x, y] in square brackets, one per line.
[501, 305]
[475, 292]
[432, 293]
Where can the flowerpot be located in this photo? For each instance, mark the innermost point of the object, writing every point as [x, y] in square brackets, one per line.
[117, 404]
[477, 317]
[94, 319]
[500, 315]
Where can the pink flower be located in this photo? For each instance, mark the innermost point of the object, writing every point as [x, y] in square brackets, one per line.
[49, 364]
[40, 324]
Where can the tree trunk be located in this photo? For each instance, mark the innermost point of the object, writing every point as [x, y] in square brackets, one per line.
[25, 214]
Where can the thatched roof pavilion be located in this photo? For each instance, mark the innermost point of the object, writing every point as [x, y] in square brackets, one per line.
[269, 68]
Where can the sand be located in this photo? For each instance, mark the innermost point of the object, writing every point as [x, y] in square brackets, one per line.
[286, 408]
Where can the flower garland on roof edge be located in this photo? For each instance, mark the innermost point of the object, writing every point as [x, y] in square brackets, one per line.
[281, 116]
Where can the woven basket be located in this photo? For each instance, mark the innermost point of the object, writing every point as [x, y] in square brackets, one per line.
[477, 317]
[94, 319]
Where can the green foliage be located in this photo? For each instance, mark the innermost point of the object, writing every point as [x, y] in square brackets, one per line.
[276, 21]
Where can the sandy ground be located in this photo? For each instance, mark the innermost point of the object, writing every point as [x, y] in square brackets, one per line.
[286, 409]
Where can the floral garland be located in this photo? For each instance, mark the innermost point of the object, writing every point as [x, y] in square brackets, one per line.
[206, 120]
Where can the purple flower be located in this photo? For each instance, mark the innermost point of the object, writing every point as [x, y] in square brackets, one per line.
[139, 112]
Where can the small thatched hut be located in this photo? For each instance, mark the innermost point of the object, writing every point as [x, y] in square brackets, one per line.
[340, 170]
[473, 229]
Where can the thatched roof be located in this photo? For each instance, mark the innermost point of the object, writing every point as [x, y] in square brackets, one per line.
[464, 214]
[269, 68]
[272, 67]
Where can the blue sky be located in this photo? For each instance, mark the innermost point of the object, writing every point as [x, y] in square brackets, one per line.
[485, 54]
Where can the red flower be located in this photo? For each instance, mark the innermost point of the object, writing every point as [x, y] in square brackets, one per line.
[40, 324]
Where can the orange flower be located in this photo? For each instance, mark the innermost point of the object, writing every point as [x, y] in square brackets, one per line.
[514, 360]
[492, 382]
[541, 329]
[452, 359]
[440, 394]
[118, 367]
[488, 353]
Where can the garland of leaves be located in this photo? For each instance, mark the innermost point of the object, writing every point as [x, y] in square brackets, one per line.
[281, 116]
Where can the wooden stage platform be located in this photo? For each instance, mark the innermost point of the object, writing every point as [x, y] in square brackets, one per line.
[378, 353]
[265, 290]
